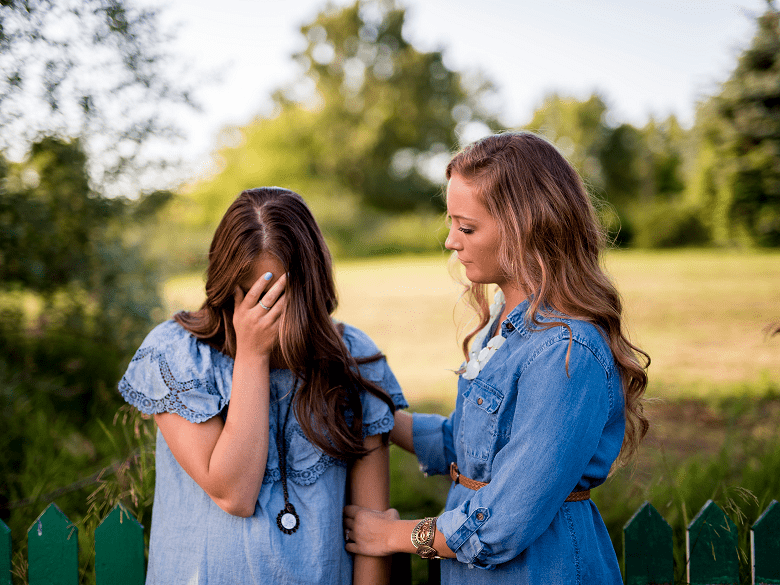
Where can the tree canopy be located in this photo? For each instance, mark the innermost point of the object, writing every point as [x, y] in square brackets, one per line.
[82, 95]
[371, 118]
[93, 70]
[385, 109]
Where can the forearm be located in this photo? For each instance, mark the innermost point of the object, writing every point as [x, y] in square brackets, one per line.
[401, 434]
[228, 459]
[379, 534]
[237, 463]
[370, 487]
[371, 570]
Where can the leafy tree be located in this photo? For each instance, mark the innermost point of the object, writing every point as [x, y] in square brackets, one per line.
[661, 216]
[738, 179]
[620, 159]
[364, 135]
[81, 91]
[665, 144]
[93, 69]
[579, 129]
[384, 110]
[90, 294]
[636, 175]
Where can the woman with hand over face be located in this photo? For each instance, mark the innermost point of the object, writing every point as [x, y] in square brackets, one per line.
[271, 415]
[549, 397]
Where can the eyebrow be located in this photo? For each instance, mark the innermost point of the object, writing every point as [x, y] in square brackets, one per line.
[461, 217]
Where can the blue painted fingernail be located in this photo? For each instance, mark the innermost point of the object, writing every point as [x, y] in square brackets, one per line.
[268, 276]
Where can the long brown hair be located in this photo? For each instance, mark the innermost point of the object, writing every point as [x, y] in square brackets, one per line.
[551, 245]
[275, 220]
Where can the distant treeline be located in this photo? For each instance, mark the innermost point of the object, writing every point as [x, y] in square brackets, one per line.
[366, 133]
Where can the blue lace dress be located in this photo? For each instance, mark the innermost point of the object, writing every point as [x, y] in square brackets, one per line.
[193, 541]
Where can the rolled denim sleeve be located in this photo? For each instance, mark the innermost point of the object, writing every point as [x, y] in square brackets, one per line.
[432, 437]
[556, 429]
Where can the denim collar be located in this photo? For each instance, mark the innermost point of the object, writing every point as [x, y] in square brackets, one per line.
[516, 318]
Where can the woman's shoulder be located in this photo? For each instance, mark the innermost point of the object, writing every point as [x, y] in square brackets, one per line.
[358, 342]
[585, 334]
[167, 333]
[171, 336]
[175, 372]
[376, 370]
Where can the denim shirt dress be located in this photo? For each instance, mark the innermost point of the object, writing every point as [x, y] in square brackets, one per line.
[535, 434]
[193, 541]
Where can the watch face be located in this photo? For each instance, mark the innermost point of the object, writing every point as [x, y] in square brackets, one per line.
[427, 552]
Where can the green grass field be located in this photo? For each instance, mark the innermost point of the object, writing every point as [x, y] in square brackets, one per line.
[700, 314]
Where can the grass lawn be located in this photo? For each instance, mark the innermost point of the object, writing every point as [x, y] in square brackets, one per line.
[700, 314]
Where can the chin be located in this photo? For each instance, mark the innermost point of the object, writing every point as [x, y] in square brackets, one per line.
[479, 279]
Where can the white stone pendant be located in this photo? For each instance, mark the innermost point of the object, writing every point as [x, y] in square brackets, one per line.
[288, 520]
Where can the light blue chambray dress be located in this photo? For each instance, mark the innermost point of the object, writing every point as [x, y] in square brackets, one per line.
[193, 541]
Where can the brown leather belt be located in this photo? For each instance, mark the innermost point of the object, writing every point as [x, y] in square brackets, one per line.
[473, 484]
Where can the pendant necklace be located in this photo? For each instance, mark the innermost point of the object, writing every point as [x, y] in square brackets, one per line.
[287, 520]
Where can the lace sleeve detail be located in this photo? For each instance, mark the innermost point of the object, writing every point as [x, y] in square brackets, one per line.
[173, 372]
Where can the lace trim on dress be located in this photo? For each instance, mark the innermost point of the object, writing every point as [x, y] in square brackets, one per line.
[306, 476]
[312, 473]
[171, 402]
[303, 476]
[383, 425]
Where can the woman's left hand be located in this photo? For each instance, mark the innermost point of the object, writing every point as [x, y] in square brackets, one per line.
[368, 532]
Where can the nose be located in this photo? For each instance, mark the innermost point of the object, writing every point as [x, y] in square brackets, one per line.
[452, 243]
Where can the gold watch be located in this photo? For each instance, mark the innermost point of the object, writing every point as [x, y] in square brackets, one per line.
[422, 538]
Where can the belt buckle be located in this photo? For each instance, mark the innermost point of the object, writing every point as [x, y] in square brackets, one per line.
[454, 469]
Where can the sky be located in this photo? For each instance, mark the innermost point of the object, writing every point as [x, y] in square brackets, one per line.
[645, 57]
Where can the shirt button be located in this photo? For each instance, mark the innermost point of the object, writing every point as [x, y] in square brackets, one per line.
[479, 401]
[480, 516]
[510, 327]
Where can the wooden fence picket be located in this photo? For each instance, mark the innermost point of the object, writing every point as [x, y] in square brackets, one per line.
[119, 549]
[648, 556]
[712, 546]
[765, 546]
[5, 554]
[52, 549]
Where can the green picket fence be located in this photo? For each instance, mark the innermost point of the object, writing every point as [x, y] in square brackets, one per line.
[711, 544]
[52, 550]
[711, 547]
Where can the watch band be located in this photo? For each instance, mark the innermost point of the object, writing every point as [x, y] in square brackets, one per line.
[422, 538]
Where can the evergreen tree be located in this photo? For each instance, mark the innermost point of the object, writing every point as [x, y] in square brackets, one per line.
[739, 167]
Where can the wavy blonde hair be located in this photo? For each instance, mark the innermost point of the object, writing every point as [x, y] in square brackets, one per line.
[551, 243]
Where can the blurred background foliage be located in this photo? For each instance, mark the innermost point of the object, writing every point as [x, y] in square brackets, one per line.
[364, 134]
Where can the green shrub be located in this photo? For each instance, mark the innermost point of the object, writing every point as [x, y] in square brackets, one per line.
[668, 225]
